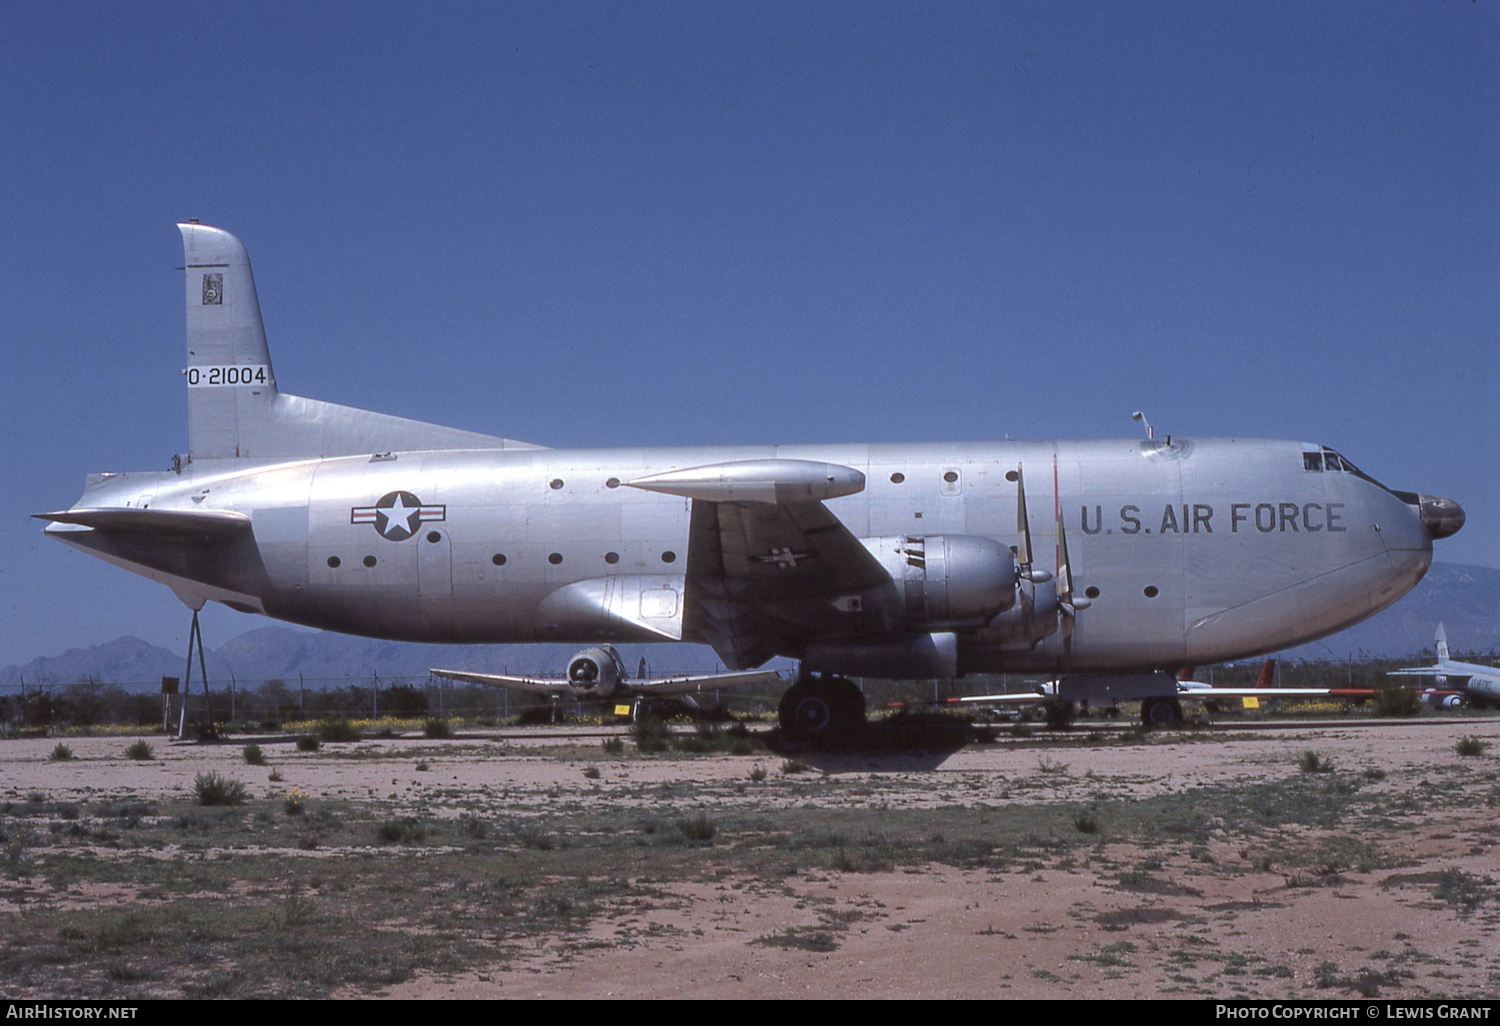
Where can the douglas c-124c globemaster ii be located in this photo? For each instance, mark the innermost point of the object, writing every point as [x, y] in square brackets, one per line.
[1098, 559]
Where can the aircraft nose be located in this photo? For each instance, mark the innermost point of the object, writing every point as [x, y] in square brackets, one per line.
[1441, 517]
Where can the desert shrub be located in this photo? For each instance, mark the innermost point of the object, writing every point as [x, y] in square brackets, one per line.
[758, 774]
[650, 734]
[794, 766]
[212, 788]
[1466, 745]
[337, 730]
[613, 745]
[1312, 762]
[437, 728]
[591, 772]
[140, 751]
[309, 743]
[1397, 701]
[400, 831]
[1086, 822]
[700, 828]
[1059, 714]
[62, 753]
[254, 756]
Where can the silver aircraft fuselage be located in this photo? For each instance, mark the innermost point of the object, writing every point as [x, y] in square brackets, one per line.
[926, 560]
[1194, 552]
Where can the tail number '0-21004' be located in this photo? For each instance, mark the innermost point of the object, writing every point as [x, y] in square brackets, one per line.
[215, 377]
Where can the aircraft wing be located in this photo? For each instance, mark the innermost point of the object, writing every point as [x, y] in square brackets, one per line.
[1447, 668]
[704, 682]
[1020, 698]
[764, 551]
[536, 685]
[1203, 694]
[679, 685]
[1211, 693]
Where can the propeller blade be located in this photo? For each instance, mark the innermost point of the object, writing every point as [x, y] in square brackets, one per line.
[1064, 569]
[1023, 524]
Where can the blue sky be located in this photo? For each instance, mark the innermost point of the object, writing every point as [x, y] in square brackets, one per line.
[642, 223]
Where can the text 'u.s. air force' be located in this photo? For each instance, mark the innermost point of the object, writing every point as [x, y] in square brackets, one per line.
[1199, 518]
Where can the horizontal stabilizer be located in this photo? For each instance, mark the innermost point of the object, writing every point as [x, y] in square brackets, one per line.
[152, 521]
[686, 685]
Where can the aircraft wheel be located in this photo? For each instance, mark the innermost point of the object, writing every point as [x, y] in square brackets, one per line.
[1160, 712]
[821, 709]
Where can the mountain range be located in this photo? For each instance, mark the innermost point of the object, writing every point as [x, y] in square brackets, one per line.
[1465, 598]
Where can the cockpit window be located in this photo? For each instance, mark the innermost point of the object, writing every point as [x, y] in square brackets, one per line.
[1334, 461]
[1328, 460]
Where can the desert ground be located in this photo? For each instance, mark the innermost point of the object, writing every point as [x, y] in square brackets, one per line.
[1324, 860]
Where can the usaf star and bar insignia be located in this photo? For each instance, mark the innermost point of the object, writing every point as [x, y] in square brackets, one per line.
[397, 515]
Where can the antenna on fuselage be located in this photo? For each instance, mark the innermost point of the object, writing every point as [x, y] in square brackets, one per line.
[1150, 431]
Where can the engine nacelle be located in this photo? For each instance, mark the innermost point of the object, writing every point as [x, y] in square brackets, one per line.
[1032, 618]
[1442, 699]
[948, 581]
[595, 672]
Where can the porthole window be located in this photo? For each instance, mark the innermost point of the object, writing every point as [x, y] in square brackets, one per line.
[370, 561]
[498, 559]
[611, 558]
[555, 558]
[669, 556]
[951, 476]
[1092, 593]
[434, 537]
[1151, 591]
[613, 482]
[897, 477]
[333, 562]
[556, 483]
[1012, 476]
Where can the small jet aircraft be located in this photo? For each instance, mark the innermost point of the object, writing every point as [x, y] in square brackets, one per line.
[1481, 684]
[882, 560]
[598, 675]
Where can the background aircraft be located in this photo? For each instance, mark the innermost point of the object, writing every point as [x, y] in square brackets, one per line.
[896, 561]
[1165, 707]
[598, 675]
[1457, 682]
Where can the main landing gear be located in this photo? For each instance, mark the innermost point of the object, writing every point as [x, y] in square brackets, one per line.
[1160, 712]
[822, 710]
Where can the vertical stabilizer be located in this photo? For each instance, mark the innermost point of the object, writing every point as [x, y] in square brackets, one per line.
[229, 375]
[1441, 642]
[234, 408]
